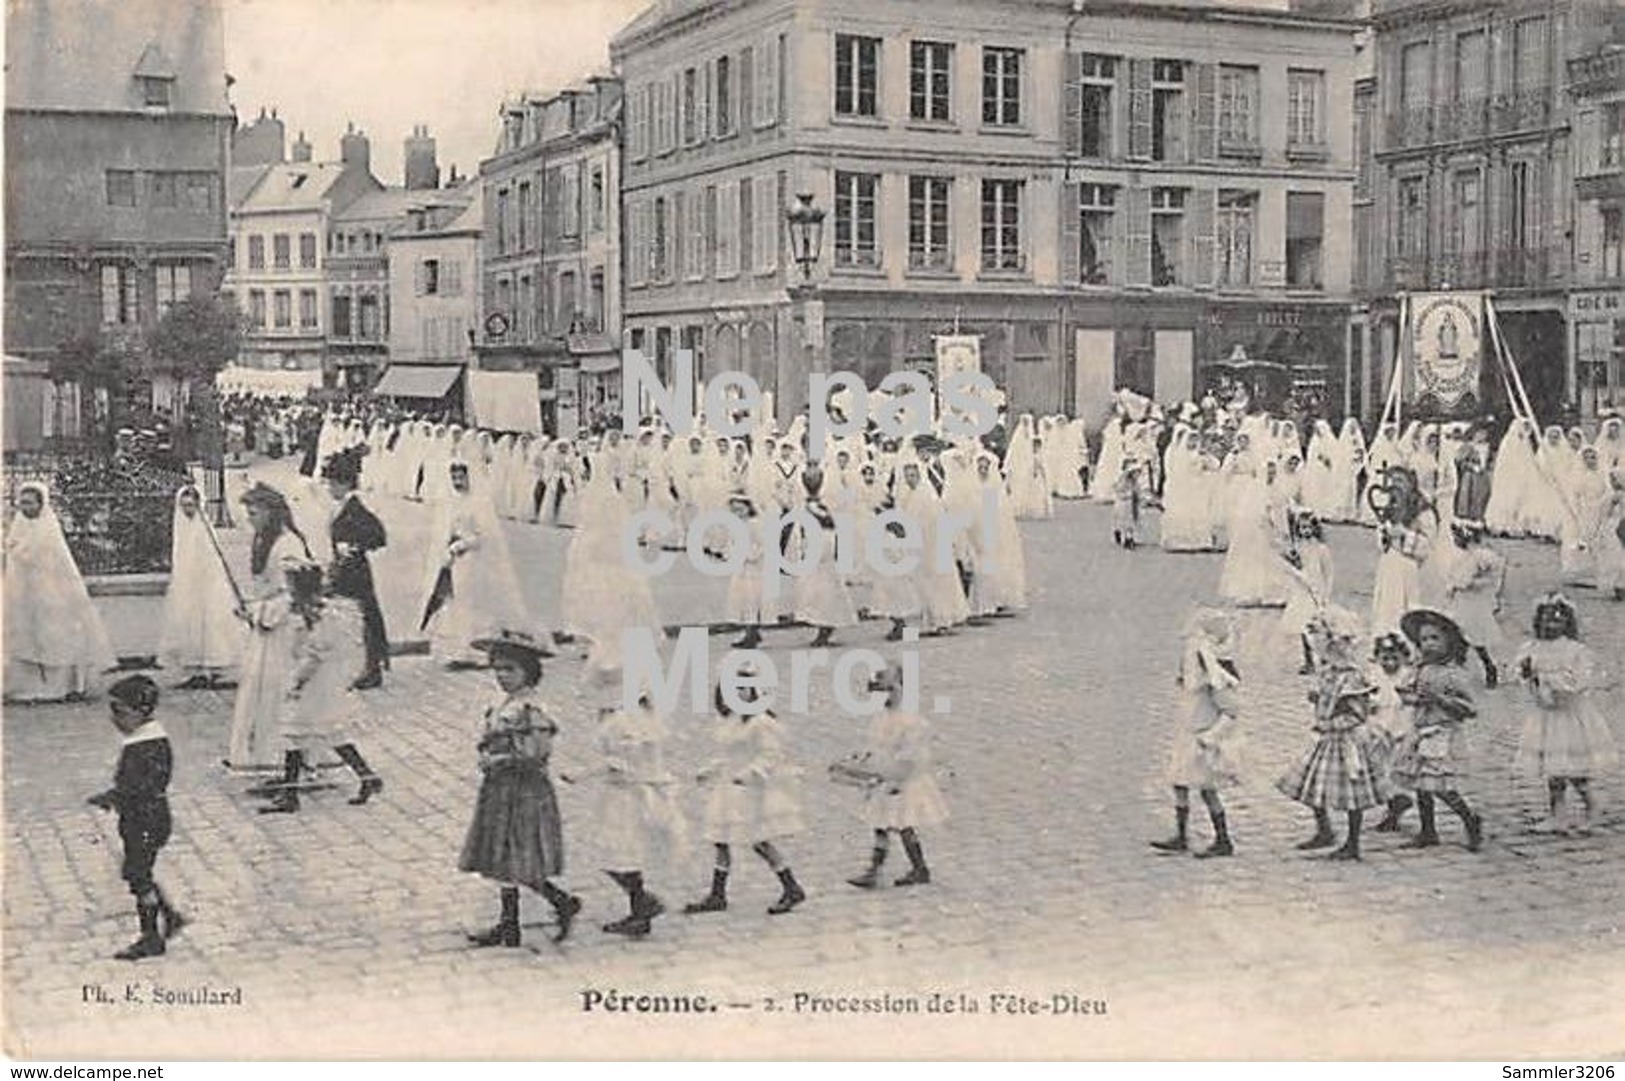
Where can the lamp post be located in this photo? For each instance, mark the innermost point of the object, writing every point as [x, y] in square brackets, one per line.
[806, 224]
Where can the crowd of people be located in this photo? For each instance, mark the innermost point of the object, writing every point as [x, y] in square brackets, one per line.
[1390, 698]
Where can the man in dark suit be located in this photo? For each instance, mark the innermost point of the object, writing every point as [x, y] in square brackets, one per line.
[355, 531]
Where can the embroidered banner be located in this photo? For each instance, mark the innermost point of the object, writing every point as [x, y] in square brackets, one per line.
[1446, 344]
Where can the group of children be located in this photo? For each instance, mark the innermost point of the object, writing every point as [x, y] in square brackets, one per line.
[516, 835]
[1392, 734]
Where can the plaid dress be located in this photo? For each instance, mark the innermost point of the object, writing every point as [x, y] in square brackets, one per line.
[1347, 768]
[1432, 757]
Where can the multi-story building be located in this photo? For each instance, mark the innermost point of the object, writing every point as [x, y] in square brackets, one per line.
[281, 217]
[434, 275]
[117, 132]
[1472, 174]
[1111, 194]
[551, 250]
[1597, 300]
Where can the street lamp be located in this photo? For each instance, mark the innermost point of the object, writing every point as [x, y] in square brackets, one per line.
[806, 234]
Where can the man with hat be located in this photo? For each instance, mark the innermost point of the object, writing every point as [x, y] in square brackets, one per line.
[355, 531]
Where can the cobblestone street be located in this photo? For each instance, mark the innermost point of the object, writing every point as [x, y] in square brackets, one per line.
[343, 926]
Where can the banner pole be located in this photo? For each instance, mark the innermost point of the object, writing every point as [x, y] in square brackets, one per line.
[1504, 354]
[1391, 407]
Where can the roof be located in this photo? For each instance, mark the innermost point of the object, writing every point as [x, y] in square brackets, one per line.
[242, 181]
[88, 55]
[389, 204]
[417, 380]
[656, 15]
[292, 186]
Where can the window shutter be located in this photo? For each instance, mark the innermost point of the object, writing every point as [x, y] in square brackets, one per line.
[675, 237]
[1205, 114]
[709, 266]
[1071, 271]
[702, 123]
[420, 278]
[635, 258]
[1139, 108]
[768, 114]
[1137, 229]
[1199, 211]
[1072, 109]
[744, 90]
[747, 222]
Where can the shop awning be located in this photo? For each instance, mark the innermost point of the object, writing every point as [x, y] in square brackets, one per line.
[417, 381]
[598, 363]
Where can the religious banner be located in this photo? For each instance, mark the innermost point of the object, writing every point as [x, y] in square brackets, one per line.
[961, 353]
[1446, 335]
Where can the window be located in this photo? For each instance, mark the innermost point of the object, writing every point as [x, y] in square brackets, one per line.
[691, 106]
[340, 317]
[1167, 235]
[371, 323]
[637, 122]
[724, 95]
[1611, 242]
[1099, 77]
[282, 309]
[767, 85]
[121, 295]
[1411, 241]
[697, 233]
[1414, 83]
[595, 302]
[1238, 109]
[930, 67]
[1519, 206]
[1167, 110]
[256, 308]
[165, 190]
[857, 241]
[929, 214]
[1233, 237]
[1611, 139]
[1305, 108]
[857, 75]
[1530, 53]
[200, 192]
[1467, 224]
[120, 187]
[1305, 227]
[659, 246]
[727, 229]
[1001, 225]
[570, 199]
[1097, 205]
[256, 253]
[281, 251]
[451, 278]
[769, 223]
[307, 309]
[429, 278]
[595, 203]
[1472, 68]
[174, 284]
[527, 208]
[1001, 86]
[503, 198]
[566, 308]
[155, 93]
[307, 251]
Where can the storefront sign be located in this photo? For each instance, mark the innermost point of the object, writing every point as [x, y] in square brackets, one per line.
[1603, 304]
[1446, 340]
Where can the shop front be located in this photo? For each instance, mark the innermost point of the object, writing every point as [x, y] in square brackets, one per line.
[1290, 358]
[1597, 317]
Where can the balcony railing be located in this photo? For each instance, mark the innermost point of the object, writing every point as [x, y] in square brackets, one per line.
[1506, 268]
[1470, 118]
[1523, 110]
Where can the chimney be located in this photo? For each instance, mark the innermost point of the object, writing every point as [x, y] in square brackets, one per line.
[355, 151]
[421, 171]
[301, 148]
[259, 143]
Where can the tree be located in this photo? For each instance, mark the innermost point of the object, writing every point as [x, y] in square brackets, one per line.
[194, 340]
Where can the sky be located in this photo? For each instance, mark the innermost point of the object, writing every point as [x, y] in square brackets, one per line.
[387, 65]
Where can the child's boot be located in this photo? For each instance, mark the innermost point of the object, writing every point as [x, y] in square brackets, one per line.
[1350, 849]
[506, 930]
[869, 879]
[1221, 845]
[1180, 841]
[1429, 835]
[919, 874]
[1323, 837]
[716, 900]
[151, 943]
[791, 894]
[371, 783]
[286, 798]
[170, 917]
[1397, 806]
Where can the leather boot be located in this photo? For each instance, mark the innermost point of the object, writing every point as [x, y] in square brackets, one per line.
[506, 930]
[791, 895]
[371, 783]
[919, 874]
[285, 800]
[869, 879]
[1180, 841]
[716, 900]
[151, 943]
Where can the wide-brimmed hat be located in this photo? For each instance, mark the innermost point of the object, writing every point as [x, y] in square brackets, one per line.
[522, 641]
[1413, 621]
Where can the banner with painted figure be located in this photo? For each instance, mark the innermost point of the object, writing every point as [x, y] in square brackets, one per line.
[1447, 334]
[962, 353]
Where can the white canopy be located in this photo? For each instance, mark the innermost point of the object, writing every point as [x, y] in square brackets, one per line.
[267, 382]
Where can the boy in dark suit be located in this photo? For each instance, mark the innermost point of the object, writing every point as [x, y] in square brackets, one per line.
[140, 796]
[356, 531]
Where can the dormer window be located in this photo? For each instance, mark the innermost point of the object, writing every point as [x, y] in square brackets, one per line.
[156, 78]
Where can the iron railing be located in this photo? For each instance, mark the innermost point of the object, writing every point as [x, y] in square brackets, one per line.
[116, 515]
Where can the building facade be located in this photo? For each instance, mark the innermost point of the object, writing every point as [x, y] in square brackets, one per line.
[117, 138]
[1597, 301]
[551, 264]
[1473, 174]
[434, 275]
[1126, 195]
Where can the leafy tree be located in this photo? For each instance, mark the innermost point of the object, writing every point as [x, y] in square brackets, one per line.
[194, 340]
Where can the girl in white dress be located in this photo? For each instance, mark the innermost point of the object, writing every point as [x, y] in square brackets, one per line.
[56, 646]
[1405, 541]
[904, 795]
[1590, 500]
[201, 631]
[999, 581]
[1320, 482]
[819, 598]
[1348, 459]
[1252, 575]
[942, 594]
[752, 798]
[1510, 477]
